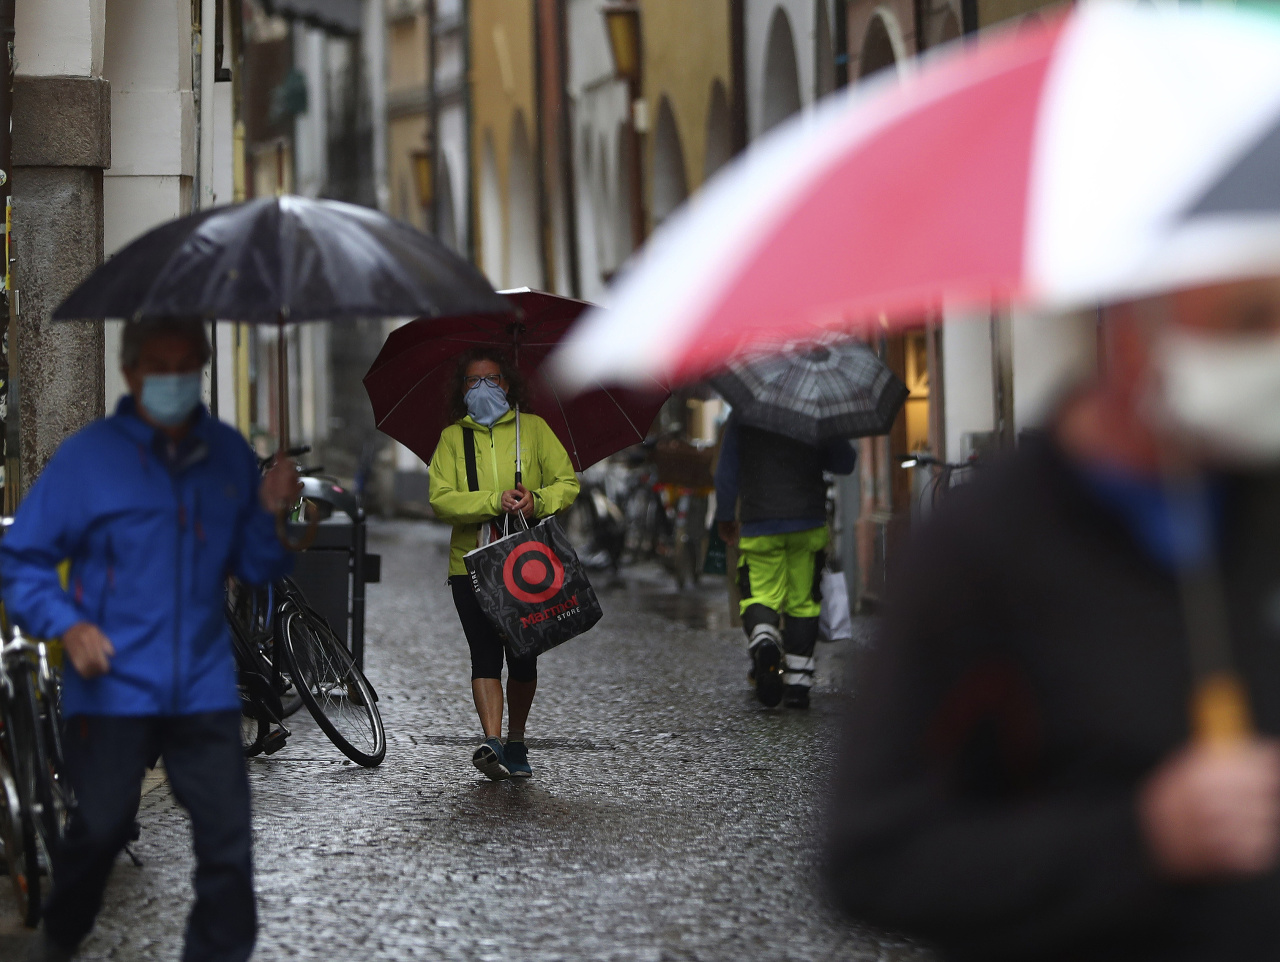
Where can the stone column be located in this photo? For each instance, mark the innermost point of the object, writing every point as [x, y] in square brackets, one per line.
[61, 145]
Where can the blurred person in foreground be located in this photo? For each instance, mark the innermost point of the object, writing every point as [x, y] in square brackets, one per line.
[154, 507]
[1019, 778]
[771, 500]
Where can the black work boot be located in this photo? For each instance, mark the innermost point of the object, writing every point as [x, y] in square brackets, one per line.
[764, 645]
[799, 637]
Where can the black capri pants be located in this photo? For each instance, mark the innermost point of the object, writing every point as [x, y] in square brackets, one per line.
[487, 646]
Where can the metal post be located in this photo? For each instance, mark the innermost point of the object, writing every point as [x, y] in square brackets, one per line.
[358, 543]
[282, 383]
[11, 459]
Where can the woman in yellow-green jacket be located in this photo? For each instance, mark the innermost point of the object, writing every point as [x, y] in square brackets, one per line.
[485, 389]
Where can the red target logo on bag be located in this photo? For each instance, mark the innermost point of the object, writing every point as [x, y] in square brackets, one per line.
[533, 573]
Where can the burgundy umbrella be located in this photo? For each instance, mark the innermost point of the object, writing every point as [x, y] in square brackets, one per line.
[409, 380]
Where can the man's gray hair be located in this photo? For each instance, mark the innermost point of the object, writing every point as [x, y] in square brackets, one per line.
[137, 333]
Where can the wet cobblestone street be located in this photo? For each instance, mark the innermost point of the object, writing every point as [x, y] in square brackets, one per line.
[669, 817]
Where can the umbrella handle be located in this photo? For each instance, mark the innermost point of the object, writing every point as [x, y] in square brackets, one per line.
[1220, 710]
[308, 536]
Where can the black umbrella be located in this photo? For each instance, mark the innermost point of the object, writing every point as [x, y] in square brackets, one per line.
[836, 391]
[283, 259]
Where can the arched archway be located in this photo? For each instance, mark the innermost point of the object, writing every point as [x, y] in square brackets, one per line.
[719, 131]
[446, 217]
[824, 59]
[670, 185]
[524, 239]
[944, 26]
[878, 48]
[491, 239]
[781, 75]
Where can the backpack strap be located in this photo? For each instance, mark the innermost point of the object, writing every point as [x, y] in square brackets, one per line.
[469, 451]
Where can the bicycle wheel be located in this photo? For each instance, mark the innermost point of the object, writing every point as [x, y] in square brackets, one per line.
[22, 845]
[37, 765]
[334, 690]
[255, 651]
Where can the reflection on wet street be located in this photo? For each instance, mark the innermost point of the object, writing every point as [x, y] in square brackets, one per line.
[669, 816]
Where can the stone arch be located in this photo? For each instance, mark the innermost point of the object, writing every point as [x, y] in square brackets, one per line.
[670, 185]
[944, 26]
[824, 54]
[781, 74]
[882, 46]
[491, 237]
[719, 131]
[446, 211]
[524, 236]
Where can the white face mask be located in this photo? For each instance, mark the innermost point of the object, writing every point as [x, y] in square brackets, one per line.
[1221, 391]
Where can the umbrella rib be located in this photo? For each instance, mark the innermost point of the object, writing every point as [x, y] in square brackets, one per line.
[405, 395]
[621, 410]
[573, 441]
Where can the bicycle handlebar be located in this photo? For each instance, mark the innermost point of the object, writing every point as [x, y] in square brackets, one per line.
[295, 452]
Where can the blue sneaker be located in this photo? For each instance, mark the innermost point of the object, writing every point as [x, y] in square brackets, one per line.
[517, 756]
[491, 759]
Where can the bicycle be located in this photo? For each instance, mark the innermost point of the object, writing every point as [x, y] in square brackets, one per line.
[37, 799]
[946, 474]
[288, 656]
[666, 522]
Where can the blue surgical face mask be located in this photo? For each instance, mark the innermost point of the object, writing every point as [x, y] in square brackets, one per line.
[486, 403]
[170, 398]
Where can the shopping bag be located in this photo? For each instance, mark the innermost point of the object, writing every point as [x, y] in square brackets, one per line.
[716, 561]
[533, 589]
[835, 623]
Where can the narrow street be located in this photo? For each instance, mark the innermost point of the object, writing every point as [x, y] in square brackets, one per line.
[669, 817]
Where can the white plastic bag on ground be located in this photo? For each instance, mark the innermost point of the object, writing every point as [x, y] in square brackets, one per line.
[836, 621]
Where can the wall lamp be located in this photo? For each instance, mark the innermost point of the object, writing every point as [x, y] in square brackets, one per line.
[622, 20]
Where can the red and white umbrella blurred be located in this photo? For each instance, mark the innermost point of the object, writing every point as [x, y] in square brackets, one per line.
[1119, 150]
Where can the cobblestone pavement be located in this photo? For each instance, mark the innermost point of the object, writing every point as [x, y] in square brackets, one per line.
[669, 818]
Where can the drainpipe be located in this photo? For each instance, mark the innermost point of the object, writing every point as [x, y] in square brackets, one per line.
[841, 29]
[240, 192]
[545, 243]
[738, 67]
[568, 186]
[433, 123]
[206, 72]
[468, 113]
[11, 459]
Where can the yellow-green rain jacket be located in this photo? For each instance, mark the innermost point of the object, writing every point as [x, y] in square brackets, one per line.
[547, 470]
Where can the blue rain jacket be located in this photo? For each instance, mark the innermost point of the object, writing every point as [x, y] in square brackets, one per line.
[151, 541]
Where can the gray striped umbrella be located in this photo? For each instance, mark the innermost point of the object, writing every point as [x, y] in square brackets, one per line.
[837, 391]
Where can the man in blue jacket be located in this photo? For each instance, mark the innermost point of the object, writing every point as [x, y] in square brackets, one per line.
[154, 506]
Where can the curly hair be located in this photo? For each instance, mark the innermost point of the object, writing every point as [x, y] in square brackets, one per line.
[517, 393]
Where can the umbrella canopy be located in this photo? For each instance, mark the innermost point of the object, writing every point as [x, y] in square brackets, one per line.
[1115, 151]
[283, 258]
[836, 391]
[409, 381]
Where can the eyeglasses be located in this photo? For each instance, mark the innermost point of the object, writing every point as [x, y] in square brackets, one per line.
[493, 380]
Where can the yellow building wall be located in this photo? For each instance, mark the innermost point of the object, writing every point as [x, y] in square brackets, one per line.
[994, 11]
[686, 49]
[502, 82]
[407, 114]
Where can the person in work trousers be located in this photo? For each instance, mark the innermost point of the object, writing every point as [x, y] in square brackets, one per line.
[472, 477]
[771, 499]
[154, 507]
